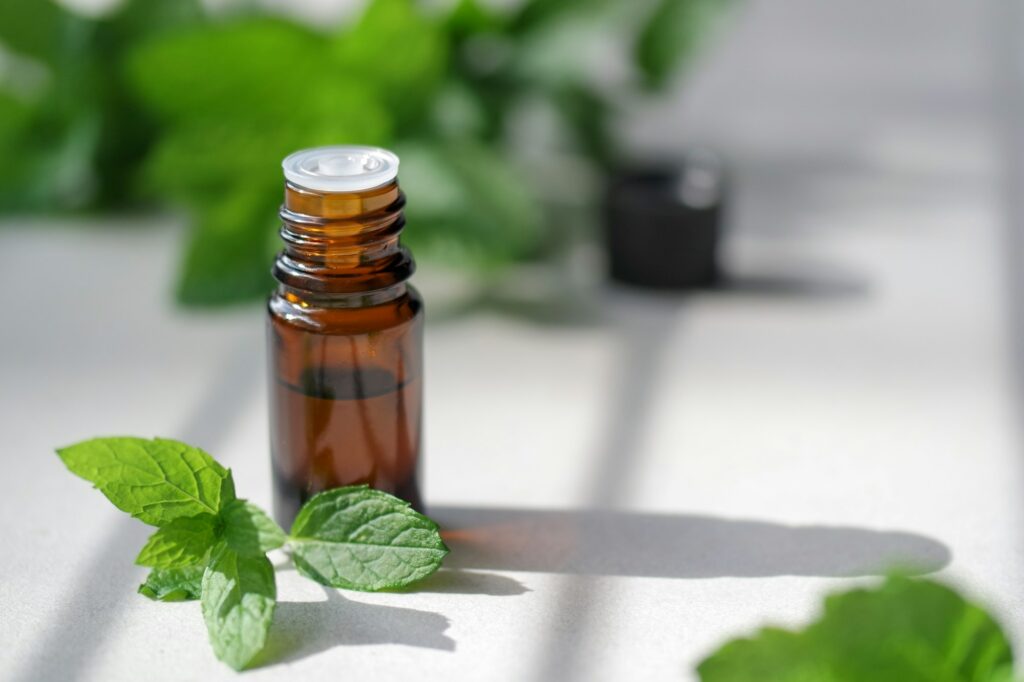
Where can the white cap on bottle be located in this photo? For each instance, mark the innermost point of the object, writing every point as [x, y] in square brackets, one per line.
[348, 168]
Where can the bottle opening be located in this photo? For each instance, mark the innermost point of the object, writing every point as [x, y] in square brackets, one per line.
[341, 168]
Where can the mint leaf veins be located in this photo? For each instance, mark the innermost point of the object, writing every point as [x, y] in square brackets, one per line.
[248, 530]
[211, 546]
[182, 542]
[238, 600]
[156, 481]
[362, 539]
[174, 584]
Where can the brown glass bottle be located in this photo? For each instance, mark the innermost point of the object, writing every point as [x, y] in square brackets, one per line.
[345, 339]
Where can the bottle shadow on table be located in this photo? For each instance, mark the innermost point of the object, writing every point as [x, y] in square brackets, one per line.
[613, 543]
[449, 581]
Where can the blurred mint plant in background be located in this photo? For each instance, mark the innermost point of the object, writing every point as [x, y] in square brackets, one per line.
[161, 101]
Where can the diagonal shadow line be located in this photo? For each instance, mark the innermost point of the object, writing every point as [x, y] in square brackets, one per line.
[643, 325]
[654, 545]
[63, 651]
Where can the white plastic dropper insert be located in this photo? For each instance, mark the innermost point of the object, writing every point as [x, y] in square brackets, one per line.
[348, 168]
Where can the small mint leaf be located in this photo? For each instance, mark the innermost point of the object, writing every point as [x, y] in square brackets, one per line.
[238, 598]
[248, 530]
[182, 542]
[156, 480]
[173, 584]
[363, 539]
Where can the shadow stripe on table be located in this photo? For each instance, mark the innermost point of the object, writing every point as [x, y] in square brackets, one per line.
[64, 649]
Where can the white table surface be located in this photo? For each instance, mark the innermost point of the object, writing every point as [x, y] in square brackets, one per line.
[635, 485]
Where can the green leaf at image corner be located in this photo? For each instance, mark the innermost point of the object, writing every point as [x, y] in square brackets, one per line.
[363, 539]
[174, 584]
[248, 529]
[905, 630]
[183, 542]
[156, 481]
[772, 654]
[238, 598]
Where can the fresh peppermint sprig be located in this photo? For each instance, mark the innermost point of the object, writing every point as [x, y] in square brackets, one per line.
[212, 546]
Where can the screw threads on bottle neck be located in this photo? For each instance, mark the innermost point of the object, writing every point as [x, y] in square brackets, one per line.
[342, 243]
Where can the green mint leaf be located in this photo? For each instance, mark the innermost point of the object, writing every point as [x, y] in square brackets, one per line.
[34, 27]
[902, 631]
[248, 530]
[238, 598]
[467, 204]
[773, 654]
[248, 67]
[404, 79]
[363, 539]
[174, 584]
[156, 481]
[1004, 674]
[673, 32]
[182, 542]
[534, 15]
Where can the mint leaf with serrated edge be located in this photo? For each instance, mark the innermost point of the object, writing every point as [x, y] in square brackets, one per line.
[182, 542]
[174, 584]
[156, 480]
[364, 539]
[238, 599]
[248, 530]
[211, 546]
[904, 630]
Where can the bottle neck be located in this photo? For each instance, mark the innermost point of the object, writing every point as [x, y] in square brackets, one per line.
[343, 247]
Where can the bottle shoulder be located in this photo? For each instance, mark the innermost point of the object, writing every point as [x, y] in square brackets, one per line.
[351, 317]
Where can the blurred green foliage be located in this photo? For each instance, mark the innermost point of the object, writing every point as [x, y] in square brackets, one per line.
[905, 630]
[158, 100]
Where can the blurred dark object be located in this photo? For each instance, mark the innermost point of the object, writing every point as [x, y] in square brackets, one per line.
[663, 223]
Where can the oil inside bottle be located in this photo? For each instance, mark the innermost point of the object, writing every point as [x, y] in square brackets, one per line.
[347, 412]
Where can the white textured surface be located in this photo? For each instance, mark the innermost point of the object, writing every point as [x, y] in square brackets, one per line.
[648, 482]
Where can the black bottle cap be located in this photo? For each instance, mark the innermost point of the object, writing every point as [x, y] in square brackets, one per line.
[662, 223]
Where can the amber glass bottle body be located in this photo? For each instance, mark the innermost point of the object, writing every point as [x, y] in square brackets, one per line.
[345, 349]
